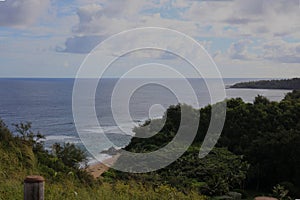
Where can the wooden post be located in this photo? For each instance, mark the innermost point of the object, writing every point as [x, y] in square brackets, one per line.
[34, 188]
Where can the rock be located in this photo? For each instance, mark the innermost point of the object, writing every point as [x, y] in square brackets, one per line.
[111, 151]
[235, 195]
[265, 198]
[224, 197]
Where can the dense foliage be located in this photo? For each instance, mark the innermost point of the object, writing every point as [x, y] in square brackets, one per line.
[288, 84]
[217, 174]
[268, 135]
[264, 134]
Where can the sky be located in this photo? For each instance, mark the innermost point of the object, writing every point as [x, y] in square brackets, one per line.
[245, 38]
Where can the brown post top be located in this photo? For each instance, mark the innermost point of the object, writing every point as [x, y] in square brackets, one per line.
[34, 179]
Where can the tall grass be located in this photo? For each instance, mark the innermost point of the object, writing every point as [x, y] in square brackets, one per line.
[18, 159]
[13, 190]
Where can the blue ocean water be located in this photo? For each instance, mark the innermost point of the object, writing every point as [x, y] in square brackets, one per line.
[47, 103]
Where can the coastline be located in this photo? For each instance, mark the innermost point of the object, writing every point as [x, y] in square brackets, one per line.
[97, 169]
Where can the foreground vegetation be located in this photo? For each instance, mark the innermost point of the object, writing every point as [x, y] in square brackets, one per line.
[258, 151]
[285, 84]
[23, 154]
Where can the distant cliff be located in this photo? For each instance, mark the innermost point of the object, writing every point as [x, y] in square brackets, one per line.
[286, 84]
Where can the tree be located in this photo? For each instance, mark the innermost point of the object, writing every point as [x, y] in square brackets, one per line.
[24, 129]
[70, 155]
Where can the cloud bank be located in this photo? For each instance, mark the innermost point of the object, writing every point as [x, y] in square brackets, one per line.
[245, 37]
[20, 13]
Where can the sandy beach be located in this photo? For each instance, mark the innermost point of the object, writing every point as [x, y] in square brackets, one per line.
[97, 169]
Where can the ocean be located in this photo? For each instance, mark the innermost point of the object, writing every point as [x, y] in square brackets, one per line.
[47, 103]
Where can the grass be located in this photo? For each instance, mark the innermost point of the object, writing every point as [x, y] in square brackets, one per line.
[18, 161]
[13, 190]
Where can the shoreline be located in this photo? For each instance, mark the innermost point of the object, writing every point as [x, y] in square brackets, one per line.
[98, 168]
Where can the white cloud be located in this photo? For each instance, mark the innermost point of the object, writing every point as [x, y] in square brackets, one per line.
[258, 18]
[254, 32]
[281, 51]
[80, 44]
[239, 50]
[255, 18]
[241, 20]
[20, 13]
[275, 51]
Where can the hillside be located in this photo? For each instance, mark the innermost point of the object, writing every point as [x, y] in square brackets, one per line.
[259, 149]
[22, 154]
[285, 84]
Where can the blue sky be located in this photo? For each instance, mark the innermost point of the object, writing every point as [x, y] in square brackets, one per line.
[246, 38]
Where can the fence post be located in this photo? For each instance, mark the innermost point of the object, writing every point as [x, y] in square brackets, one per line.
[34, 188]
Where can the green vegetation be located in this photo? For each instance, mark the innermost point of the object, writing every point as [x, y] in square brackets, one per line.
[268, 135]
[216, 174]
[285, 84]
[259, 148]
[24, 154]
[258, 151]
